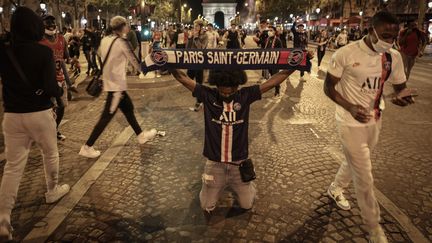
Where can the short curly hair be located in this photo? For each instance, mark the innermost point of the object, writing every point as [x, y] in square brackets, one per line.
[227, 78]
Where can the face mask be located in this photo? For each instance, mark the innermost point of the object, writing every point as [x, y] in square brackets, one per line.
[50, 32]
[381, 46]
[271, 33]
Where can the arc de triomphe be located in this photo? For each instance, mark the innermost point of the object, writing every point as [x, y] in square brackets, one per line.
[227, 7]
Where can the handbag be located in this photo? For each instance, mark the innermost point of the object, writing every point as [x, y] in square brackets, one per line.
[247, 170]
[94, 88]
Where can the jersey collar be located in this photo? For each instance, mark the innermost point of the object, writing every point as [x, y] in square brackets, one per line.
[366, 48]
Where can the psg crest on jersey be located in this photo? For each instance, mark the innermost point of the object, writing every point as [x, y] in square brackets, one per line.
[387, 66]
[159, 57]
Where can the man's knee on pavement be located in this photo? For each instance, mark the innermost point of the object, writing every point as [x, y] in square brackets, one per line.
[246, 198]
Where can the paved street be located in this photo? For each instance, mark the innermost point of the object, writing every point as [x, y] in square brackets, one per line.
[149, 193]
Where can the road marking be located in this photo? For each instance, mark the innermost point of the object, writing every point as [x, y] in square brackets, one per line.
[413, 233]
[56, 216]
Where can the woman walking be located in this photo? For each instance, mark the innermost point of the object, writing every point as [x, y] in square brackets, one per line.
[116, 53]
[322, 41]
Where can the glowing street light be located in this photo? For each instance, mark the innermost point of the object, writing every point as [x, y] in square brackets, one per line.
[276, 18]
[84, 21]
[318, 10]
[328, 16]
[184, 5]
[361, 13]
[430, 4]
[1, 10]
[246, 4]
[42, 5]
[63, 14]
[291, 15]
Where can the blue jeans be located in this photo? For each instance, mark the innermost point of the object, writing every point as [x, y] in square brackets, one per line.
[217, 176]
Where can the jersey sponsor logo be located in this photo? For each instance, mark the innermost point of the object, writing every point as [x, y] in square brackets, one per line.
[371, 85]
[159, 57]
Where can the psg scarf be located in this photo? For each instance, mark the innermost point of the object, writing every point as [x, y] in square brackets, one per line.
[229, 59]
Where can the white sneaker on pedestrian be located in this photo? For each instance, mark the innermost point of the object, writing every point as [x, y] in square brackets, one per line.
[336, 193]
[146, 136]
[89, 152]
[377, 235]
[5, 231]
[57, 193]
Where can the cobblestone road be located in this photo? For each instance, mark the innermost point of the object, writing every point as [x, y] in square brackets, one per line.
[149, 193]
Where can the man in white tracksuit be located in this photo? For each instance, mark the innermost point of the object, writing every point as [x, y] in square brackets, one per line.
[355, 82]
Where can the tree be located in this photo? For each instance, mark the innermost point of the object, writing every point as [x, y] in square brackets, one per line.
[164, 10]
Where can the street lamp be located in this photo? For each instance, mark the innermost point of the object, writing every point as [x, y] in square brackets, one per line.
[328, 16]
[42, 5]
[1, 10]
[246, 4]
[63, 14]
[430, 4]
[291, 15]
[361, 13]
[318, 10]
[184, 5]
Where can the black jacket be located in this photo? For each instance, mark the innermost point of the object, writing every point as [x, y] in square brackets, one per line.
[36, 61]
[300, 38]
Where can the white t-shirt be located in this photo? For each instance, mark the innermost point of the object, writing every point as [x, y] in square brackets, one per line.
[360, 70]
[114, 71]
[213, 37]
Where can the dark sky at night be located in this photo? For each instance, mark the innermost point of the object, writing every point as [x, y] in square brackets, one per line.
[197, 8]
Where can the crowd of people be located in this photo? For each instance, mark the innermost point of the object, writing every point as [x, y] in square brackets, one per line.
[35, 87]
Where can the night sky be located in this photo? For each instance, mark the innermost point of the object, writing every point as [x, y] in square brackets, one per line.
[197, 8]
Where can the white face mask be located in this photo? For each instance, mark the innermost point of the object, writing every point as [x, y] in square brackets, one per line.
[50, 32]
[271, 34]
[381, 46]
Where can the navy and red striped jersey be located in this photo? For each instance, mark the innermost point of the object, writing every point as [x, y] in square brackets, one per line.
[226, 124]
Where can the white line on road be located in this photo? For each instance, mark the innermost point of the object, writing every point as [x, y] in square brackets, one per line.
[413, 233]
[56, 216]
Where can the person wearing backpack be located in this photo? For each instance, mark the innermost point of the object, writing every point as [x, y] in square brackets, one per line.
[28, 85]
[116, 52]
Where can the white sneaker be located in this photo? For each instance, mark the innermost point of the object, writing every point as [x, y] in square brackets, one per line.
[146, 136]
[89, 152]
[5, 231]
[377, 235]
[336, 193]
[57, 193]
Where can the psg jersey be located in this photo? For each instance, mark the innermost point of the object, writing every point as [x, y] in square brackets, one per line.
[226, 124]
